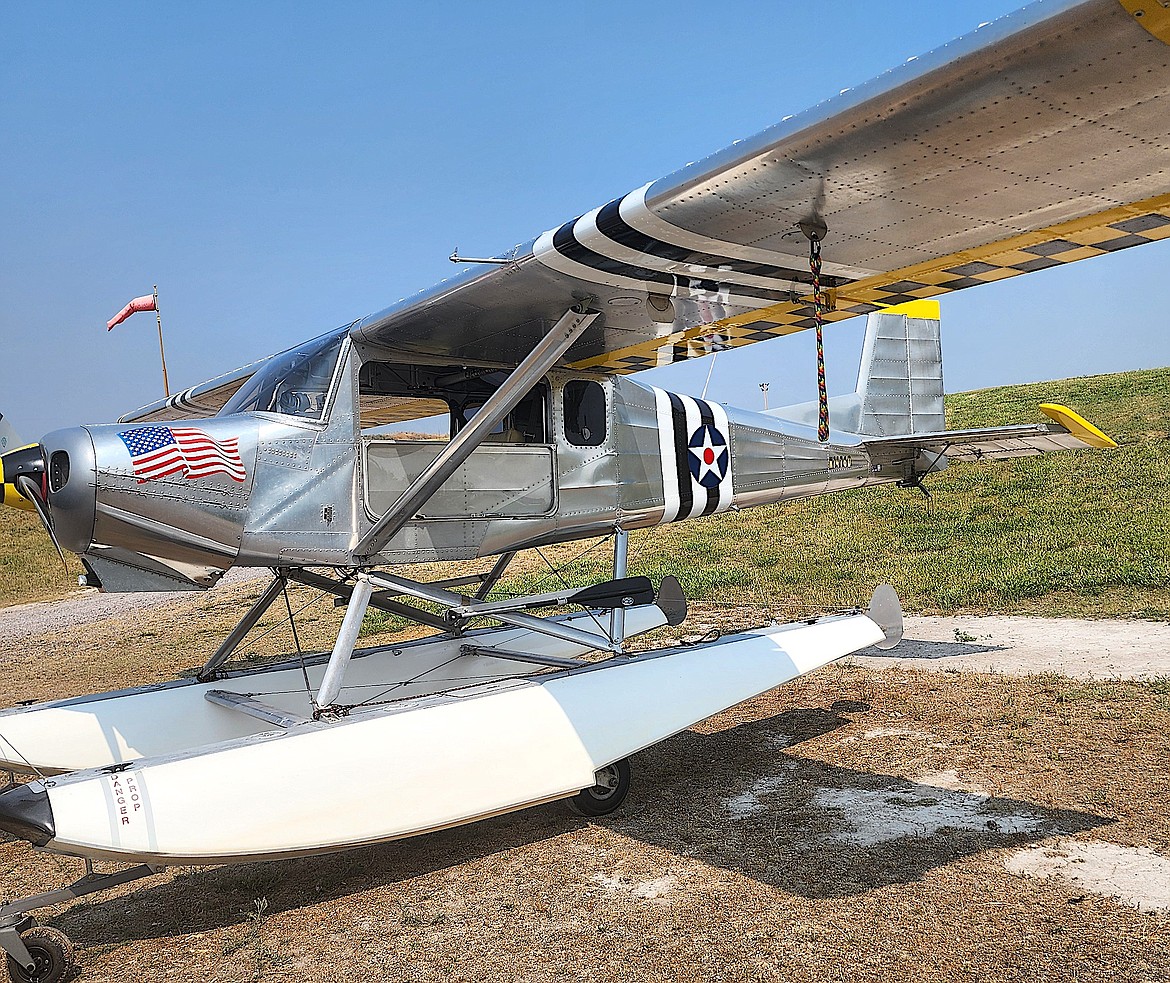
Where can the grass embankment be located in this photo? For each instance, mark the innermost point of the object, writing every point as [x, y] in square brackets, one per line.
[30, 569]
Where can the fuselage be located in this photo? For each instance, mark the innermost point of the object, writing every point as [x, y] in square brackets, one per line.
[298, 483]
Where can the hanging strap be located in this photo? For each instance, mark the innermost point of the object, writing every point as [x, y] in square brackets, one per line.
[814, 263]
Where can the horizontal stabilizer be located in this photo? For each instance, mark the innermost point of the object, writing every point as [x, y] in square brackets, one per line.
[916, 454]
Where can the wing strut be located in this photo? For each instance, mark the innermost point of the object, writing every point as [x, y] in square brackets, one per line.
[542, 358]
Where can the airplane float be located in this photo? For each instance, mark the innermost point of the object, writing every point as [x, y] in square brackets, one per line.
[1038, 140]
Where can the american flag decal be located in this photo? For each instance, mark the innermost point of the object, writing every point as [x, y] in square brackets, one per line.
[156, 452]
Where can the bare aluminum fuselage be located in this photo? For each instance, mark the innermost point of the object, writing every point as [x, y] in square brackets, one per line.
[312, 489]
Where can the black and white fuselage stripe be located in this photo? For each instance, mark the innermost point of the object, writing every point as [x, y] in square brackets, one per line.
[694, 442]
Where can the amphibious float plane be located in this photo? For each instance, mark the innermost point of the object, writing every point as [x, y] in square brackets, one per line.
[1039, 140]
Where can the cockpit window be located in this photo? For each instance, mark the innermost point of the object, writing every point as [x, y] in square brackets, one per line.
[295, 383]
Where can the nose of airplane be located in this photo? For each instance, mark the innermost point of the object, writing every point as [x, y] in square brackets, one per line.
[55, 479]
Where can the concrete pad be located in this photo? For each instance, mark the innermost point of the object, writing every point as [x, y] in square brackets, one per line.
[1135, 876]
[1106, 649]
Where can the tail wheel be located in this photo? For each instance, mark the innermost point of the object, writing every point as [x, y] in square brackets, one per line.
[52, 954]
[610, 791]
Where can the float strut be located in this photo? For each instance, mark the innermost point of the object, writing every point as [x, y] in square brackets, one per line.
[617, 617]
[351, 624]
[493, 576]
[262, 604]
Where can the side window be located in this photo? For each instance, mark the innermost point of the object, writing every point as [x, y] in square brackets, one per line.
[584, 413]
[524, 425]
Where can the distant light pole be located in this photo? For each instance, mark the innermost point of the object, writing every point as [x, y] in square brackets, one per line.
[764, 390]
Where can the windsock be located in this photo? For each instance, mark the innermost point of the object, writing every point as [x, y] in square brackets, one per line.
[146, 303]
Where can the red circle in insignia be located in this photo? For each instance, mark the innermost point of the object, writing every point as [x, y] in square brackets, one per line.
[708, 456]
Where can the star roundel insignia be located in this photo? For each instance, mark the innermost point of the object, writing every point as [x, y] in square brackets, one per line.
[709, 456]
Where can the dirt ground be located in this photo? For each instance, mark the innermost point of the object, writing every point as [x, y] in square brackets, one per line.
[869, 822]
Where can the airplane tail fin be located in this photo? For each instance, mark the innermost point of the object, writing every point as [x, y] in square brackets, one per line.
[900, 383]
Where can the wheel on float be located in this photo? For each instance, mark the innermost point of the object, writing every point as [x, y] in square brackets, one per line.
[52, 954]
[610, 791]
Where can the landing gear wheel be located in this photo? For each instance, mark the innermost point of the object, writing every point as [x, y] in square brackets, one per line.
[613, 785]
[52, 953]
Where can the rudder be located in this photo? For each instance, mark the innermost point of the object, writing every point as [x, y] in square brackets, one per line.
[900, 381]
[899, 385]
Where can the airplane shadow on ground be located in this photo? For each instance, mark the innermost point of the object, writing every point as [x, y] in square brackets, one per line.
[737, 799]
[913, 648]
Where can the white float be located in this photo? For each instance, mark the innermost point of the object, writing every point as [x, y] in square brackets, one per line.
[166, 718]
[394, 770]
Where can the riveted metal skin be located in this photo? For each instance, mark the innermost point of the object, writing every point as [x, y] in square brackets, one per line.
[73, 503]
[197, 522]
[302, 469]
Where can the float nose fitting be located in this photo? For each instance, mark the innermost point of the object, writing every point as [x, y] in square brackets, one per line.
[29, 462]
[26, 812]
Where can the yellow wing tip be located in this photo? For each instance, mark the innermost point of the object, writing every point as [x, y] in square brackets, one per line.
[1077, 425]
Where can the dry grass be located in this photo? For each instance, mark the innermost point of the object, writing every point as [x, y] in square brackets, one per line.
[541, 895]
[30, 569]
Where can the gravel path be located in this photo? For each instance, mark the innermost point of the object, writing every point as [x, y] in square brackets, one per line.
[1084, 649]
[90, 605]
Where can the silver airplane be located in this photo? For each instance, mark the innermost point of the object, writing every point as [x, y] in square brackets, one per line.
[500, 410]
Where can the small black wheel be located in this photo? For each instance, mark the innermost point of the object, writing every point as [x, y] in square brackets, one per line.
[613, 785]
[52, 954]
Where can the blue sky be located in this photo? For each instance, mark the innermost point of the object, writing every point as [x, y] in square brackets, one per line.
[281, 169]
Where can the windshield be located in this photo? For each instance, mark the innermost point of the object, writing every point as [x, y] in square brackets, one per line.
[295, 383]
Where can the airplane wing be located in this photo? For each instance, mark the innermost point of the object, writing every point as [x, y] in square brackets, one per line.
[1038, 140]
[203, 400]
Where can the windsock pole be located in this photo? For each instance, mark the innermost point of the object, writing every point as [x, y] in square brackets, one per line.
[161, 354]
